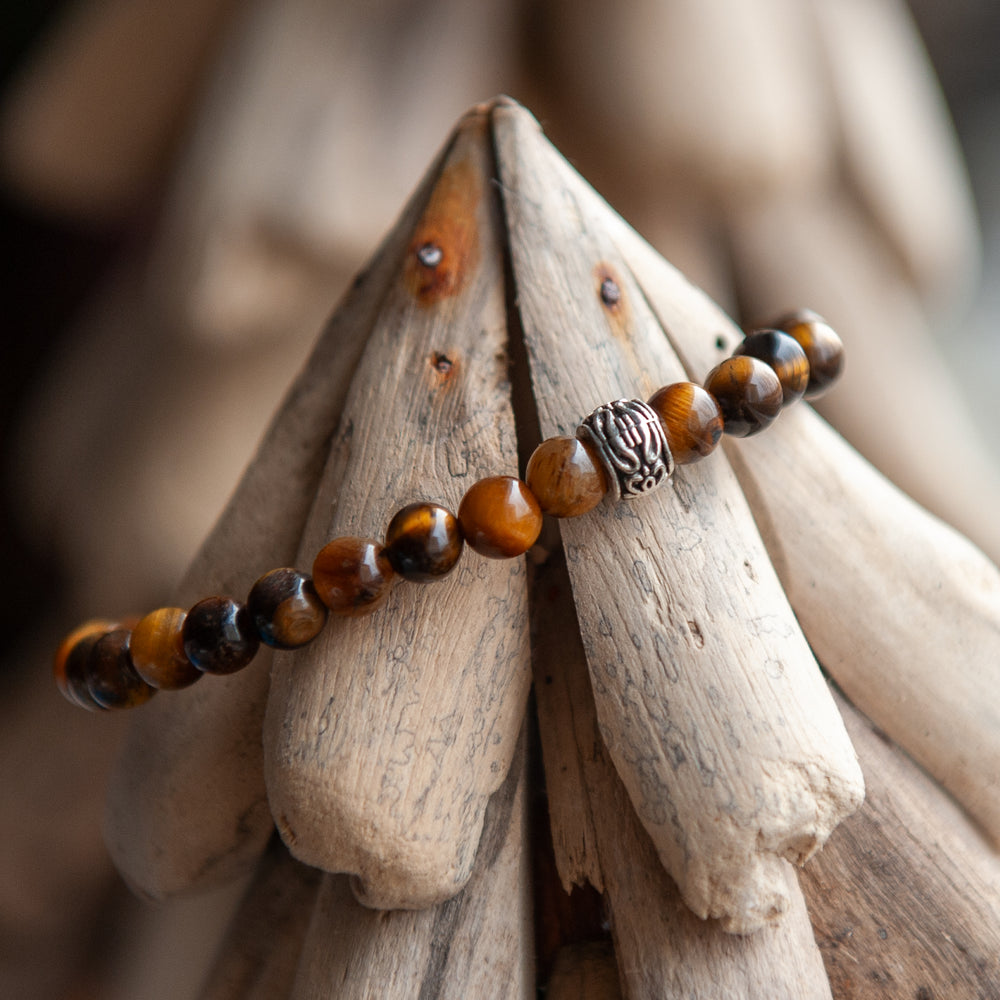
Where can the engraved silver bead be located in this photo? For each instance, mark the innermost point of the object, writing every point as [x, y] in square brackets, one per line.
[629, 438]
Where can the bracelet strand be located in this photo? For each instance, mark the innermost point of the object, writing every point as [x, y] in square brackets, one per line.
[624, 447]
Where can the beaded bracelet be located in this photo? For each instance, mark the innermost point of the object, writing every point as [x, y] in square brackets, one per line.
[625, 447]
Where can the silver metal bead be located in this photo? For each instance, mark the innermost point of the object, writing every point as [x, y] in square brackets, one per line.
[630, 440]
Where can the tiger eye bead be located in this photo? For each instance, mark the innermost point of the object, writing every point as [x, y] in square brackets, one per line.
[352, 575]
[218, 636]
[785, 355]
[691, 418]
[824, 349]
[748, 393]
[565, 476]
[111, 679]
[157, 650]
[499, 517]
[285, 609]
[423, 542]
[70, 665]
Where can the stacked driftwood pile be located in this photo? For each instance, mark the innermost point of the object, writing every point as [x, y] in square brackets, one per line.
[691, 745]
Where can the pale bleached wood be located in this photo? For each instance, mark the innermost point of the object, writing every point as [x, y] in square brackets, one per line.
[710, 701]
[259, 956]
[477, 944]
[385, 737]
[316, 122]
[187, 803]
[903, 611]
[664, 952]
[905, 898]
[719, 96]
[89, 123]
[913, 425]
[898, 146]
[584, 972]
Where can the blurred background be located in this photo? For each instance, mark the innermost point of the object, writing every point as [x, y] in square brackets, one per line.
[186, 189]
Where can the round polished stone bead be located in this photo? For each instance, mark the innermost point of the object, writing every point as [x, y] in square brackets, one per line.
[285, 609]
[691, 418]
[70, 664]
[352, 575]
[157, 650]
[423, 542]
[785, 355]
[111, 678]
[748, 393]
[565, 476]
[499, 517]
[218, 635]
[824, 349]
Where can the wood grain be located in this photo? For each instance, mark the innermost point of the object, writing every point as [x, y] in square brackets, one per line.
[187, 804]
[709, 699]
[905, 898]
[663, 950]
[477, 944]
[385, 738]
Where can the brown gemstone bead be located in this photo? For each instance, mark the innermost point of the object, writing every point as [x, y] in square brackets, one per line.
[691, 418]
[565, 476]
[748, 393]
[285, 609]
[219, 637]
[499, 517]
[111, 678]
[423, 542]
[70, 665]
[785, 355]
[157, 650]
[823, 348]
[352, 575]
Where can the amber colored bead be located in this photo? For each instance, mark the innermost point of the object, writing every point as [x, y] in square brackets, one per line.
[219, 637]
[824, 349]
[565, 476]
[157, 650]
[111, 679]
[285, 609]
[748, 393]
[691, 418]
[785, 355]
[499, 517]
[352, 575]
[70, 664]
[423, 542]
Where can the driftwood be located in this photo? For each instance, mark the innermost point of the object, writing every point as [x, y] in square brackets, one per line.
[203, 744]
[844, 541]
[905, 899]
[696, 660]
[478, 944]
[663, 950]
[386, 737]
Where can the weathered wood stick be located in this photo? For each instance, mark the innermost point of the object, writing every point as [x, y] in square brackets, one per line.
[905, 898]
[663, 950]
[901, 609]
[477, 944]
[259, 956]
[885, 592]
[385, 737]
[824, 251]
[187, 804]
[710, 702]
